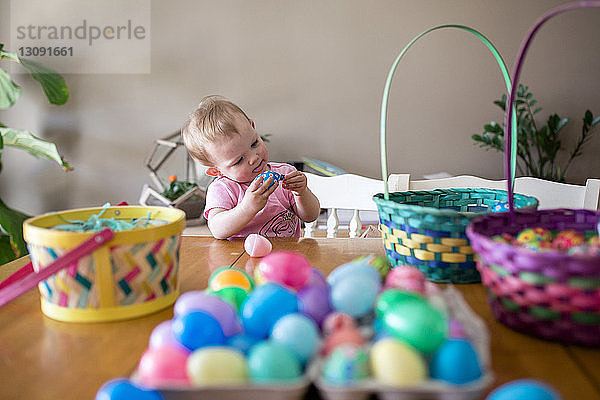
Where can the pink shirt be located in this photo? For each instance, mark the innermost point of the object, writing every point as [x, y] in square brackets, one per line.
[277, 219]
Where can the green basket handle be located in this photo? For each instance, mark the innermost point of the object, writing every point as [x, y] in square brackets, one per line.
[512, 160]
[509, 121]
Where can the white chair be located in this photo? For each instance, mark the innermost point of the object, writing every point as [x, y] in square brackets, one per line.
[354, 192]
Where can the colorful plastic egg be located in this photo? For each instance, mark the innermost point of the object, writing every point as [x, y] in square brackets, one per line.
[299, 333]
[314, 301]
[337, 320]
[257, 245]
[342, 336]
[346, 365]
[564, 240]
[272, 363]
[417, 323]
[524, 389]
[380, 263]
[500, 206]
[124, 389]
[270, 174]
[455, 361]
[390, 297]
[217, 366]
[227, 277]
[530, 235]
[353, 269]
[406, 277]
[286, 268]
[163, 366]
[355, 294]
[264, 306]
[594, 241]
[397, 364]
[198, 329]
[218, 308]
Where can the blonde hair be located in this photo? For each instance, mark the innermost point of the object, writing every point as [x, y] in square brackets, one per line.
[212, 120]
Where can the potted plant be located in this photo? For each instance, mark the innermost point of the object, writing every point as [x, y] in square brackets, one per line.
[12, 244]
[537, 145]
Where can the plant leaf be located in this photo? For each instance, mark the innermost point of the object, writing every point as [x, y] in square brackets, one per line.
[35, 146]
[53, 84]
[11, 222]
[9, 91]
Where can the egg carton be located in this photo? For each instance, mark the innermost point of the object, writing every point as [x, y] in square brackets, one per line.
[456, 307]
[476, 332]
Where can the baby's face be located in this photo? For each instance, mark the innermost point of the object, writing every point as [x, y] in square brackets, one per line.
[242, 157]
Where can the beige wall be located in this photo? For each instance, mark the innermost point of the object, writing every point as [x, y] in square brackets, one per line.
[312, 74]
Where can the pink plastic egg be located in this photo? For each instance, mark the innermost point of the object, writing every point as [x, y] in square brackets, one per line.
[286, 268]
[342, 336]
[163, 366]
[257, 245]
[336, 321]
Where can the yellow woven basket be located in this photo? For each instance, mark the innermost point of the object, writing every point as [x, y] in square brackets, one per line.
[134, 274]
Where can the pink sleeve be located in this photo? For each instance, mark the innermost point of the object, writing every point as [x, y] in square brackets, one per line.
[218, 195]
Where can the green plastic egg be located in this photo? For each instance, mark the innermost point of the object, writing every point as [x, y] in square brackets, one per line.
[272, 363]
[390, 297]
[417, 323]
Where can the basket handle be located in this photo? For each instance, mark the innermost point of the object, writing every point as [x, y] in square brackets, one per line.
[510, 121]
[26, 279]
[511, 166]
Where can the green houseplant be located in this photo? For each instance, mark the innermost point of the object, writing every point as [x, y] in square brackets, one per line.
[12, 244]
[537, 145]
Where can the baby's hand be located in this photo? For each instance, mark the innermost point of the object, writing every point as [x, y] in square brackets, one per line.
[257, 195]
[296, 182]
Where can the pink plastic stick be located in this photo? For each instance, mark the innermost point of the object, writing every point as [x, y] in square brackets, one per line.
[15, 289]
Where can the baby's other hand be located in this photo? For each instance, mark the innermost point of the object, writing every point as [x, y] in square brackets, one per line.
[296, 182]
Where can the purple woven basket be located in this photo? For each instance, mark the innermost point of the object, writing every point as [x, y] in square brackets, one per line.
[549, 294]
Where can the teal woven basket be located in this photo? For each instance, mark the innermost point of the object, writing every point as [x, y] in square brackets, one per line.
[426, 229]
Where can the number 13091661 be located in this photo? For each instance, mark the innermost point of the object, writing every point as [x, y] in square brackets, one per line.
[46, 51]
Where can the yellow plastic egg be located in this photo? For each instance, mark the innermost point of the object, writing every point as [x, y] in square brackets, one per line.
[396, 363]
[230, 277]
[217, 366]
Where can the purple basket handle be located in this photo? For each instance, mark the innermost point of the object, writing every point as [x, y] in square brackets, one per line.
[515, 83]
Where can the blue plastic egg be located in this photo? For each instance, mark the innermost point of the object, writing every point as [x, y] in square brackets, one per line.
[198, 329]
[353, 269]
[355, 294]
[264, 306]
[455, 361]
[124, 389]
[268, 174]
[242, 342]
[299, 333]
[524, 389]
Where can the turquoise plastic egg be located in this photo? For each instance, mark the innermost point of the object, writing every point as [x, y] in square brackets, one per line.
[217, 366]
[124, 389]
[524, 389]
[397, 364]
[355, 294]
[455, 361]
[299, 333]
[272, 363]
[417, 323]
[353, 269]
[346, 365]
[264, 306]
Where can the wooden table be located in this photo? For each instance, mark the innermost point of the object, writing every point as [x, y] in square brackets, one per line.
[45, 359]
